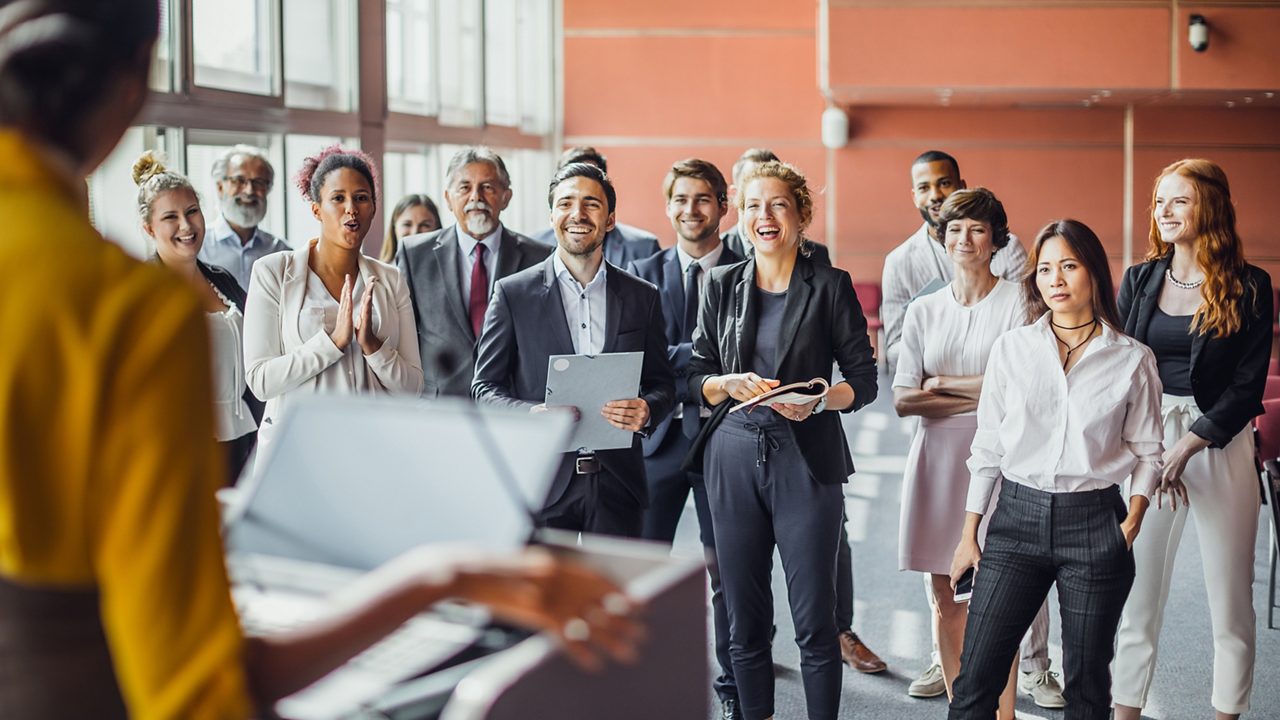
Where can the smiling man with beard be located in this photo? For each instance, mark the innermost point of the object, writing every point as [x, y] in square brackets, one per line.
[234, 242]
[575, 303]
[449, 288]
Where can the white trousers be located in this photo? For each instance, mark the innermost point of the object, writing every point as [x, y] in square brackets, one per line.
[1223, 487]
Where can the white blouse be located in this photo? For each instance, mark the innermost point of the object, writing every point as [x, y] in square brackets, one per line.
[231, 416]
[942, 337]
[1087, 429]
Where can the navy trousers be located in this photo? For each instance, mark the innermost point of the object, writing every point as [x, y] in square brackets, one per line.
[1036, 539]
[761, 495]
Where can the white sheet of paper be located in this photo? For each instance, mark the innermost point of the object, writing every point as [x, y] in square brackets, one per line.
[587, 382]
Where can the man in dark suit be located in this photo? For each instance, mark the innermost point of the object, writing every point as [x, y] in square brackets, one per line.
[576, 303]
[449, 288]
[624, 244]
[732, 238]
[697, 198]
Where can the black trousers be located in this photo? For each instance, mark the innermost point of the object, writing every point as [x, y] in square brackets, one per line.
[1037, 539]
[595, 503]
[761, 495]
[237, 452]
[669, 488]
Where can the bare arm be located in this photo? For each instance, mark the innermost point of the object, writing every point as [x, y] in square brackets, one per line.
[926, 403]
[965, 386]
[532, 589]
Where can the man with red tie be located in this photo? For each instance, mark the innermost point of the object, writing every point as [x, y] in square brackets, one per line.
[451, 271]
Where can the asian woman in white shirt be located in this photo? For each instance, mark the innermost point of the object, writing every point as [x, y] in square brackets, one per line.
[1070, 409]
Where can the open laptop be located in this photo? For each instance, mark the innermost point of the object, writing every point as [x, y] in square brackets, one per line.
[352, 482]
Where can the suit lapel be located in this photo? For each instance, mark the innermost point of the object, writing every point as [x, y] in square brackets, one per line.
[673, 292]
[293, 292]
[744, 313]
[553, 308]
[613, 247]
[1149, 300]
[445, 276]
[612, 307]
[799, 290]
[508, 255]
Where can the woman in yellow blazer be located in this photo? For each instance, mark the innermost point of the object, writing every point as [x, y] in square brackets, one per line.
[324, 317]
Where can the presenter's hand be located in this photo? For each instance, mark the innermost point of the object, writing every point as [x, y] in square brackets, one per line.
[369, 342]
[627, 414]
[543, 407]
[795, 412]
[744, 386]
[967, 555]
[343, 328]
[586, 611]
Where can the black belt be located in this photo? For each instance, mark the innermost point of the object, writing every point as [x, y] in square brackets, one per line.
[586, 465]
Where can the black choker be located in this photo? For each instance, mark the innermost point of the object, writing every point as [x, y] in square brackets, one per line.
[1078, 345]
[1064, 327]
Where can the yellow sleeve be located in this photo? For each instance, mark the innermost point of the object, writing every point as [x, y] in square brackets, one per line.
[158, 558]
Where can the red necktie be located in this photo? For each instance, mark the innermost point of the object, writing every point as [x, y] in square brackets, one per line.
[479, 300]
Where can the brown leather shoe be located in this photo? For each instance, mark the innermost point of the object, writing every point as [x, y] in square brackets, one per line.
[857, 655]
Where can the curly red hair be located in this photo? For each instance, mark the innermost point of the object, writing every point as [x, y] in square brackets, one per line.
[316, 168]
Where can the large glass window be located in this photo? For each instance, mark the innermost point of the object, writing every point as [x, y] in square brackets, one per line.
[461, 62]
[319, 54]
[409, 169]
[235, 47]
[502, 58]
[113, 196]
[535, 65]
[411, 56]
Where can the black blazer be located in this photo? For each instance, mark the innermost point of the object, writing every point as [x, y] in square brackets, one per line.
[735, 242]
[525, 325]
[429, 264]
[1228, 375]
[822, 322]
[663, 270]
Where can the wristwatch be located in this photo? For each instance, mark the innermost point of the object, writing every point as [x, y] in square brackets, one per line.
[820, 405]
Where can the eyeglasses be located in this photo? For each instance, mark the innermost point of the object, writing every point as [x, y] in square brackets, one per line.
[239, 181]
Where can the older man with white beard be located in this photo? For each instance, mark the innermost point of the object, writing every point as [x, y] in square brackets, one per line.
[451, 271]
[234, 241]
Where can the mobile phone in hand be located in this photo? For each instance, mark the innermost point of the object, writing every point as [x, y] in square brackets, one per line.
[964, 587]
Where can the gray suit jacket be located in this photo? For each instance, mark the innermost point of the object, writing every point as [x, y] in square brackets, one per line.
[525, 326]
[623, 245]
[733, 240]
[429, 263]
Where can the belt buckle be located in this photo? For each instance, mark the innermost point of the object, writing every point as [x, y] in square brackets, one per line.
[589, 461]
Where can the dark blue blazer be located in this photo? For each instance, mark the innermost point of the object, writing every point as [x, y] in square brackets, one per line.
[663, 270]
[525, 325]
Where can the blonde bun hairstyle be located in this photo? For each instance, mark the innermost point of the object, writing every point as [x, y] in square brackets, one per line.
[153, 177]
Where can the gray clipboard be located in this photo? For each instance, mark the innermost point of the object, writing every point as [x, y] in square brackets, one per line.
[587, 382]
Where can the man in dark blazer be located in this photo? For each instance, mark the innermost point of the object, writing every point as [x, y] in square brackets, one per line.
[732, 238]
[623, 244]
[576, 303]
[450, 291]
[697, 198]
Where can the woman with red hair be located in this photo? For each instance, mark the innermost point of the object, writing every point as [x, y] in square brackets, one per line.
[1207, 316]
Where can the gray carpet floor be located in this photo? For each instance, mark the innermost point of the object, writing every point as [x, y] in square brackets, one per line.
[892, 616]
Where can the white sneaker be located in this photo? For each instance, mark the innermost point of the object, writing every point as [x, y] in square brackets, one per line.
[1043, 688]
[929, 684]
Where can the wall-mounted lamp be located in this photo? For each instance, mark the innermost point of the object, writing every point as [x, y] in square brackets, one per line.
[1198, 33]
[835, 128]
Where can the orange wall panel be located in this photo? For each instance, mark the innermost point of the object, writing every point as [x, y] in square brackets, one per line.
[1244, 49]
[719, 14]
[959, 126]
[692, 87]
[1000, 47]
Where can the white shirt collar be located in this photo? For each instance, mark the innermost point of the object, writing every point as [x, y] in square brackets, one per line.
[707, 261]
[490, 241]
[564, 276]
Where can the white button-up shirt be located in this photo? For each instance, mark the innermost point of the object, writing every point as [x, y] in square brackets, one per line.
[222, 247]
[911, 266]
[584, 307]
[467, 259]
[1087, 429]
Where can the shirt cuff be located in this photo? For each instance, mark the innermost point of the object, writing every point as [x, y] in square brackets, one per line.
[907, 380]
[325, 347]
[383, 357]
[1145, 477]
[980, 489]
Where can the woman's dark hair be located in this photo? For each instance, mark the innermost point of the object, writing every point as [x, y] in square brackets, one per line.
[977, 204]
[390, 243]
[1087, 248]
[335, 157]
[57, 57]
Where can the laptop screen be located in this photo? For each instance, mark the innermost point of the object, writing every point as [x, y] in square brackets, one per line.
[355, 481]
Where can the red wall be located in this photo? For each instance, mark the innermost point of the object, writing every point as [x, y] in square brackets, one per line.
[651, 81]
